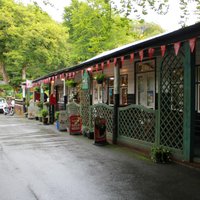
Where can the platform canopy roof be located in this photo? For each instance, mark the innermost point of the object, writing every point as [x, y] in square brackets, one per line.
[167, 38]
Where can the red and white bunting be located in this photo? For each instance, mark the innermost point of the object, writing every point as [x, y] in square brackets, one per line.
[177, 46]
[102, 65]
[141, 54]
[108, 63]
[122, 60]
[151, 52]
[131, 57]
[163, 49]
[115, 61]
[192, 43]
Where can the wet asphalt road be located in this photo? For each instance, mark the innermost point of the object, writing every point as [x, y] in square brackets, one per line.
[39, 163]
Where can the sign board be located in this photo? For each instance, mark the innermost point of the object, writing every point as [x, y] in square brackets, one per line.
[85, 80]
[75, 124]
[62, 120]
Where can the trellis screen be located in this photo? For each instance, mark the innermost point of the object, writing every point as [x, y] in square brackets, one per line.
[171, 101]
[104, 111]
[137, 122]
[85, 106]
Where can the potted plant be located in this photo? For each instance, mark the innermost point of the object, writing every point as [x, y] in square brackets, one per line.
[160, 154]
[44, 114]
[57, 120]
[99, 78]
[71, 83]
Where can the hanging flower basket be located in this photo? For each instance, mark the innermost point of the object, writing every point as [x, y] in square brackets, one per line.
[99, 78]
[71, 83]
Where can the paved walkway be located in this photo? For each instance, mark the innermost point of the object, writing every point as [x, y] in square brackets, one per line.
[39, 163]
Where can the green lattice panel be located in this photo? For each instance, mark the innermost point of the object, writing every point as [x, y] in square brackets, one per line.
[85, 107]
[171, 101]
[137, 122]
[104, 111]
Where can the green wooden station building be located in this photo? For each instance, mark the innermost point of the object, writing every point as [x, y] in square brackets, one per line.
[150, 93]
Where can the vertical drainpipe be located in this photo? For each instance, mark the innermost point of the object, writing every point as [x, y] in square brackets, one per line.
[116, 101]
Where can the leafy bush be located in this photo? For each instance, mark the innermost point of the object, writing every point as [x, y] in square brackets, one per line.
[44, 113]
[18, 96]
[160, 154]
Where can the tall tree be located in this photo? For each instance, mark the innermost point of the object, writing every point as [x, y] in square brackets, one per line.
[94, 27]
[162, 7]
[31, 42]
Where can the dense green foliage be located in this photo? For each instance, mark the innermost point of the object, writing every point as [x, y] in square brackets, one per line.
[162, 7]
[95, 27]
[31, 43]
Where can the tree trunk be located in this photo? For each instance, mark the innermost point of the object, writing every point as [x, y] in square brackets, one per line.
[4, 73]
[24, 73]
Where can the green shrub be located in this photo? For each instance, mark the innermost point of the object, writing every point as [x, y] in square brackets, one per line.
[18, 96]
[160, 154]
[44, 113]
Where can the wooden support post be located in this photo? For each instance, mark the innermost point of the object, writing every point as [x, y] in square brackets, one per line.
[189, 102]
[24, 97]
[116, 101]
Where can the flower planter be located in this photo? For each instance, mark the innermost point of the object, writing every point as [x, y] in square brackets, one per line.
[40, 119]
[99, 81]
[45, 120]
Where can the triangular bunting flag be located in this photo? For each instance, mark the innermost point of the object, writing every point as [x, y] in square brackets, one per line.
[102, 65]
[131, 57]
[151, 52]
[177, 46]
[141, 54]
[108, 63]
[192, 44]
[163, 49]
[122, 60]
[115, 61]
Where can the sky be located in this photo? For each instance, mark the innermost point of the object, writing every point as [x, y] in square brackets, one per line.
[168, 22]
